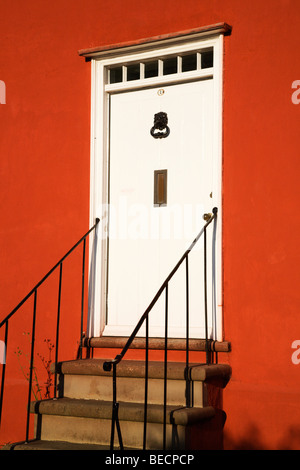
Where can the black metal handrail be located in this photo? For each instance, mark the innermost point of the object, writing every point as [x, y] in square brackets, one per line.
[112, 364]
[33, 292]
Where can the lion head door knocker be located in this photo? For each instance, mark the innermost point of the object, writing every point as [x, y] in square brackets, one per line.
[160, 124]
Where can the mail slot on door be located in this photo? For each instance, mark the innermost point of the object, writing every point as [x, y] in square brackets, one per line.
[160, 188]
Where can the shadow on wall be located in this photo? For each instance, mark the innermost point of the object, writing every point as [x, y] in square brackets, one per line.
[253, 440]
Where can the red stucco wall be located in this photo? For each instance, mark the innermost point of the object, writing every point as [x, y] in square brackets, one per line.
[44, 151]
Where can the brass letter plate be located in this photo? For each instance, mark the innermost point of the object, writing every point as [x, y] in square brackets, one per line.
[160, 188]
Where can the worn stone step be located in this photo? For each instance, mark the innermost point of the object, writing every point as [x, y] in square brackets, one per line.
[128, 411]
[37, 444]
[86, 379]
[218, 374]
[95, 387]
[175, 344]
[89, 421]
[132, 389]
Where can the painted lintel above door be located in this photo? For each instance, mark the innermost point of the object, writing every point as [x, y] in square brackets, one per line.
[164, 39]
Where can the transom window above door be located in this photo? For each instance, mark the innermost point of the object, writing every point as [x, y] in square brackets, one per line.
[158, 67]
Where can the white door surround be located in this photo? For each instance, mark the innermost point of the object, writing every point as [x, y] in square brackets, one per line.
[156, 64]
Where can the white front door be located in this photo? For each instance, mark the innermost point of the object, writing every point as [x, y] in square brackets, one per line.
[146, 240]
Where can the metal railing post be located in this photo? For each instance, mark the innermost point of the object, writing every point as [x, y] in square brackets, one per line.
[115, 413]
[82, 299]
[205, 299]
[187, 351]
[165, 367]
[31, 364]
[57, 328]
[146, 383]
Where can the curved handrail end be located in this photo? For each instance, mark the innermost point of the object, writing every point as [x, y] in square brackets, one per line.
[107, 366]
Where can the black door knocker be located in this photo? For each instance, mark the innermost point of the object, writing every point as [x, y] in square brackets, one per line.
[160, 124]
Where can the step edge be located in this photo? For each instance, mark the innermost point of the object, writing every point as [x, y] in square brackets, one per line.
[131, 368]
[177, 344]
[128, 411]
[44, 444]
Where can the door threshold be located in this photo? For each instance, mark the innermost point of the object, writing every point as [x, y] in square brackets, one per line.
[178, 344]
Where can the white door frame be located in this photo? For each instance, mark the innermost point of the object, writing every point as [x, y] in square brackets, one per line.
[99, 168]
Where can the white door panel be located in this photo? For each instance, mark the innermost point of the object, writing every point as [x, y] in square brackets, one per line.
[145, 242]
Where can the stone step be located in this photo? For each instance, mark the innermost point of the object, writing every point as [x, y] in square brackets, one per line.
[218, 374]
[37, 444]
[132, 389]
[89, 421]
[86, 379]
[174, 344]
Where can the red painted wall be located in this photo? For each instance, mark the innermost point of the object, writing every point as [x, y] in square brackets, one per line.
[44, 151]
